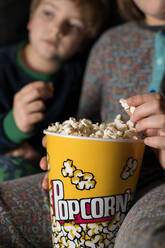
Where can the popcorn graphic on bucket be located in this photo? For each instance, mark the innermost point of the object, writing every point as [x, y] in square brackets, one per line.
[91, 185]
[78, 177]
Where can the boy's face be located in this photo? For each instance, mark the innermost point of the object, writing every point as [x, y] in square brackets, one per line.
[56, 30]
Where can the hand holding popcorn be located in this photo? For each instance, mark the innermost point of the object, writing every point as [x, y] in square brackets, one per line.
[149, 116]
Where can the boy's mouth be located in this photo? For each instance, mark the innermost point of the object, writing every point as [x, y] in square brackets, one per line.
[51, 43]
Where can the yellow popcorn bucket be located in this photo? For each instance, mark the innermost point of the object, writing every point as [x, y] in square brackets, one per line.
[91, 185]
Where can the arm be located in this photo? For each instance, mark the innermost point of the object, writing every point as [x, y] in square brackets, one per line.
[149, 116]
[17, 124]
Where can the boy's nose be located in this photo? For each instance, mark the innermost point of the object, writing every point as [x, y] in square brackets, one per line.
[56, 31]
[57, 28]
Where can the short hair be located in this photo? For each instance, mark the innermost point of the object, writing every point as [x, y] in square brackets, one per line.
[129, 10]
[95, 13]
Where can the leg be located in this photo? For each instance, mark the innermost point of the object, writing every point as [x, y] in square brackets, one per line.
[15, 167]
[144, 225]
[24, 214]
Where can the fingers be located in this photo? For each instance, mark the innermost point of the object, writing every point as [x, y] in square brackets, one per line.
[36, 106]
[45, 183]
[151, 122]
[16, 153]
[44, 141]
[147, 109]
[44, 166]
[146, 105]
[43, 163]
[31, 99]
[151, 132]
[34, 118]
[36, 90]
[26, 122]
[26, 151]
[149, 116]
[141, 99]
[157, 142]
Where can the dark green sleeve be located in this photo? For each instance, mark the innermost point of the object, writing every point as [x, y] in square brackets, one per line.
[12, 131]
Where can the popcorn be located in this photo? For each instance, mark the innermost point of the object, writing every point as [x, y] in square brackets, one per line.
[85, 128]
[130, 124]
[118, 129]
[126, 107]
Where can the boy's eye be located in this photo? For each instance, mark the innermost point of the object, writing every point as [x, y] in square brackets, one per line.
[47, 13]
[74, 27]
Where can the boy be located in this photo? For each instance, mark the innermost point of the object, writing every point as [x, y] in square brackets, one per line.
[41, 79]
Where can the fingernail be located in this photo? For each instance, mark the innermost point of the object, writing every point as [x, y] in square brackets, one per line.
[137, 127]
[131, 118]
[129, 101]
[147, 141]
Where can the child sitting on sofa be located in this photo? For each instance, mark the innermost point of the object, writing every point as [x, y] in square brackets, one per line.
[41, 78]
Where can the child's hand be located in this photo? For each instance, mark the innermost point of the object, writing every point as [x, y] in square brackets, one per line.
[29, 106]
[25, 151]
[44, 166]
[149, 116]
